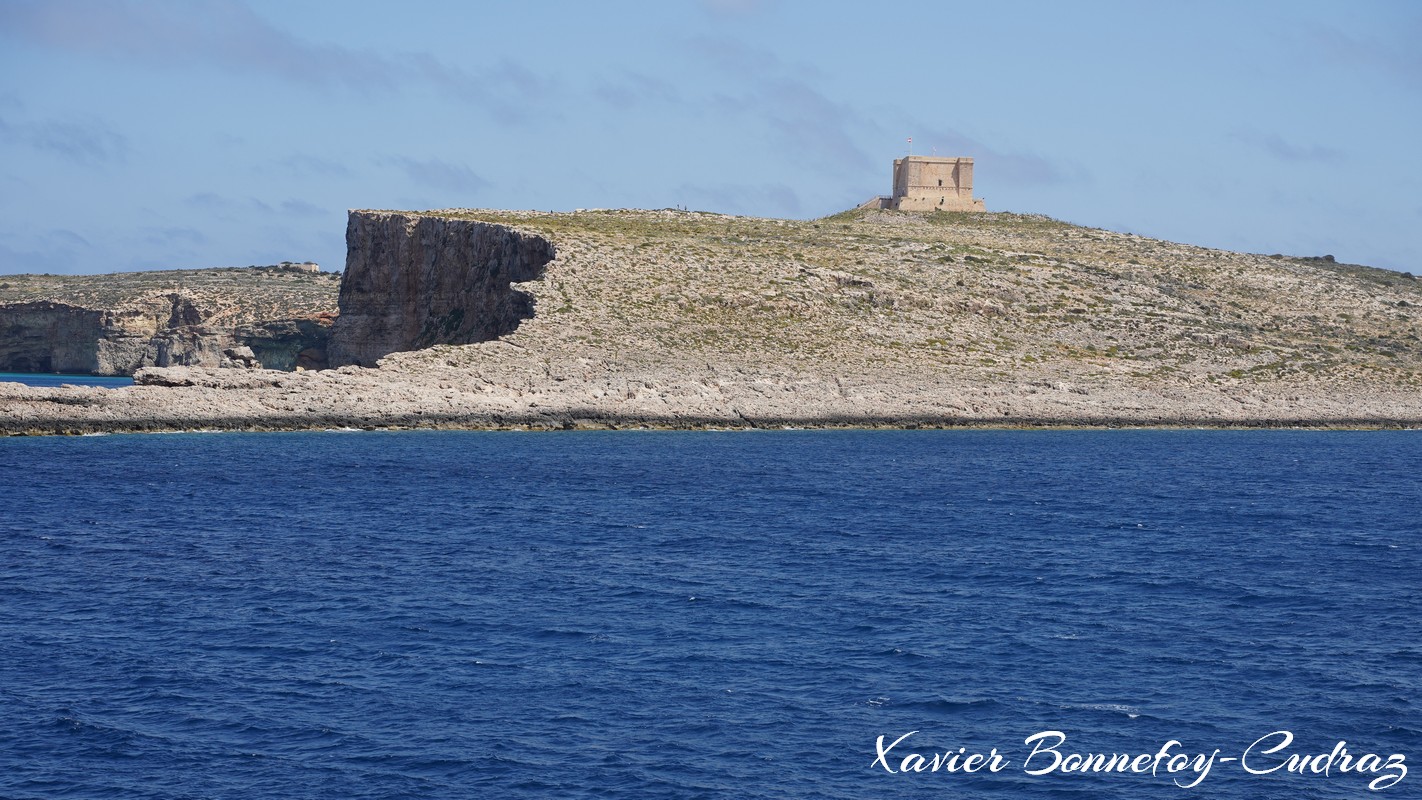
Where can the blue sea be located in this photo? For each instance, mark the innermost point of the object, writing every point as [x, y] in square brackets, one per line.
[712, 615]
[59, 379]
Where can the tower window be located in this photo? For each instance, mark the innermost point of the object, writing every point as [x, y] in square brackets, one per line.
[940, 181]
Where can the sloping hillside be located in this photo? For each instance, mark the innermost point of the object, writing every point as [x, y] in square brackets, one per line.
[232, 295]
[685, 319]
[986, 297]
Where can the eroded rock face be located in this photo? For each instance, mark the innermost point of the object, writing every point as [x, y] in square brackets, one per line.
[414, 281]
[289, 343]
[49, 337]
[52, 336]
[162, 331]
[277, 317]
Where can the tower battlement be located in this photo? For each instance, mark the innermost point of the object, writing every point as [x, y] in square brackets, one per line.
[928, 183]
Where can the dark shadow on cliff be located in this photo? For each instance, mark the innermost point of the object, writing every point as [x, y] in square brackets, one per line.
[412, 282]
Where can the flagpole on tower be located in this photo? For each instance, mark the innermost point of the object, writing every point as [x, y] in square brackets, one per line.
[910, 145]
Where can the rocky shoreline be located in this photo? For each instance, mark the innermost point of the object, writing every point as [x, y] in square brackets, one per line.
[679, 320]
[354, 398]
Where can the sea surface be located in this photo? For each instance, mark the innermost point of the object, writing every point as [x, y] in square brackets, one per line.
[709, 615]
[59, 379]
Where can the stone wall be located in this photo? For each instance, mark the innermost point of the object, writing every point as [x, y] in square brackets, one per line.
[928, 183]
[413, 281]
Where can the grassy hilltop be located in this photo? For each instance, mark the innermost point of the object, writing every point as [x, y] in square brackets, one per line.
[227, 295]
[984, 297]
[866, 318]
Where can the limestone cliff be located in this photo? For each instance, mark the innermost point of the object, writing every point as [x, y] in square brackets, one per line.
[413, 281]
[273, 317]
[47, 336]
[871, 317]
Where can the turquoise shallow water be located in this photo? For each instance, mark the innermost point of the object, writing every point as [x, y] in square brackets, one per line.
[56, 379]
[688, 615]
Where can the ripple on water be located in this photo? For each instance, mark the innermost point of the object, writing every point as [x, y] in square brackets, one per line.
[683, 615]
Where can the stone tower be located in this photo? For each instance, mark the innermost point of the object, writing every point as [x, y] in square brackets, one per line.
[929, 183]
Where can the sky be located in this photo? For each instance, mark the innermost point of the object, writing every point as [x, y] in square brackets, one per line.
[150, 135]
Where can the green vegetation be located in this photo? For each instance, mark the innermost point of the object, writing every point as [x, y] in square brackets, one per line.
[233, 295]
[962, 291]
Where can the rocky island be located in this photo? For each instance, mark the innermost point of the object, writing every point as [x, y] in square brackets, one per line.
[277, 317]
[873, 317]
